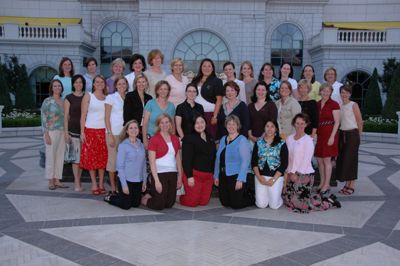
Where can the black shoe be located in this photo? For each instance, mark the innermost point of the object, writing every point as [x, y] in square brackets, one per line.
[325, 193]
[333, 200]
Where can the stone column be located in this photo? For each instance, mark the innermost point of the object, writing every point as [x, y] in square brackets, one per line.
[1, 118]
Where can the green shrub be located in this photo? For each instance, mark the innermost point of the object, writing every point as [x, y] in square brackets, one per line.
[392, 104]
[22, 122]
[380, 125]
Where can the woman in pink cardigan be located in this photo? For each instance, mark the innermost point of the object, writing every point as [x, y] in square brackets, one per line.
[300, 178]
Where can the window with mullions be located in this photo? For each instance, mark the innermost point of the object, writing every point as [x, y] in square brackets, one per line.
[287, 46]
[359, 81]
[39, 81]
[198, 45]
[116, 41]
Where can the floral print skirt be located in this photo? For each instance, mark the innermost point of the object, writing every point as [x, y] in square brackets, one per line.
[299, 196]
[94, 149]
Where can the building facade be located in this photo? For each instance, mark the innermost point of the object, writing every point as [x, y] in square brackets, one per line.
[352, 36]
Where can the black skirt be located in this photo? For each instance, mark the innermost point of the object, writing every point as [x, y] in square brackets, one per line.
[347, 161]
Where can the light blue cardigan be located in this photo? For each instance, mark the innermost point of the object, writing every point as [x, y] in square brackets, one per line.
[237, 158]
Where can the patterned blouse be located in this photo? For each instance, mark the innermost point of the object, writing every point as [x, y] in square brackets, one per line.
[52, 115]
[273, 89]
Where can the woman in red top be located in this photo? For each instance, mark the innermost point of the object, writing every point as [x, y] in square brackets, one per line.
[165, 165]
[327, 137]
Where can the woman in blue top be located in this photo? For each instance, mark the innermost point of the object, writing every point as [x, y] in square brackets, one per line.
[231, 165]
[156, 107]
[131, 166]
[65, 73]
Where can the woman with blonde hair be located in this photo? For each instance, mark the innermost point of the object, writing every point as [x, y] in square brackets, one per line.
[165, 164]
[117, 71]
[308, 106]
[131, 166]
[330, 76]
[247, 76]
[177, 81]
[327, 137]
[136, 100]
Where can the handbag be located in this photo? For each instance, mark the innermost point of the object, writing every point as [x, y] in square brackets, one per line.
[69, 155]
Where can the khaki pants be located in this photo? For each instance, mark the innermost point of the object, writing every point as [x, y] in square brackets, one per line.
[55, 155]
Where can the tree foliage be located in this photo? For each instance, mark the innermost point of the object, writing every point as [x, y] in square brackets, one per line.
[373, 100]
[389, 67]
[15, 79]
[392, 104]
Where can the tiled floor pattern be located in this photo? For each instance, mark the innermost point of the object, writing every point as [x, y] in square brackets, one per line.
[42, 227]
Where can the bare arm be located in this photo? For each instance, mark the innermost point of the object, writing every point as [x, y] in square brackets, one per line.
[146, 119]
[357, 114]
[336, 118]
[67, 105]
[178, 121]
[179, 167]
[153, 168]
[84, 111]
[217, 107]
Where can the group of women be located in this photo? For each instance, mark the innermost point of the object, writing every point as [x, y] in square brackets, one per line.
[157, 134]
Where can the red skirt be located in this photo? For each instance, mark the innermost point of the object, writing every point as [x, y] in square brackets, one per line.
[322, 149]
[94, 149]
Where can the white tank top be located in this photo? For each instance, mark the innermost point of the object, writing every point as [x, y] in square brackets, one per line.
[167, 163]
[96, 112]
[347, 117]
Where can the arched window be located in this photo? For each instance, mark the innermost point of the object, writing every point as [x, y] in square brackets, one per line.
[39, 81]
[287, 46]
[198, 45]
[360, 81]
[116, 41]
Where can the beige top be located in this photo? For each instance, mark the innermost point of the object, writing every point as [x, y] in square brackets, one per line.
[286, 113]
[153, 78]
[347, 118]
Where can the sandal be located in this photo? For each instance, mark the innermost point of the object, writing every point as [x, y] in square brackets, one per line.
[52, 187]
[348, 191]
[343, 190]
[101, 190]
[107, 198]
[61, 185]
[333, 201]
[95, 192]
[79, 189]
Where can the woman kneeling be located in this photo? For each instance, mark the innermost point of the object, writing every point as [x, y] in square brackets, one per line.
[131, 166]
[269, 162]
[165, 165]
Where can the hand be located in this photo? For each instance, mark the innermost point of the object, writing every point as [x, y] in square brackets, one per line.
[271, 182]
[262, 181]
[144, 187]
[47, 138]
[158, 186]
[331, 141]
[214, 121]
[112, 140]
[216, 182]
[67, 137]
[179, 183]
[82, 137]
[145, 142]
[239, 185]
[191, 182]
[125, 190]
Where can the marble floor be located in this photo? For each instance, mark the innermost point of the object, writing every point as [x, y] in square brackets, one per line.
[63, 227]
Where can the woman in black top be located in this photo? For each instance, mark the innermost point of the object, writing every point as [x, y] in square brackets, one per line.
[233, 106]
[308, 106]
[136, 100]
[72, 126]
[210, 93]
[187, 111]
[198, 151]
[269, 162]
